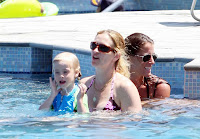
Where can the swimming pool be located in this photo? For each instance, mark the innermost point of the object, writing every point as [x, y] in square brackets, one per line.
[21, 96]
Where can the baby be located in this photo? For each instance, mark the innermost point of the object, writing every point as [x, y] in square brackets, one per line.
[64, 90]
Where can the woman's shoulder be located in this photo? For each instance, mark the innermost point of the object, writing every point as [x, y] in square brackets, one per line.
[161, 87]
[126, 91]
[87, 80]
[122, 81]
[153, 79]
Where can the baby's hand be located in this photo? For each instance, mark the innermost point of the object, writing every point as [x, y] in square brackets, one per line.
[54, 90]
[83, 89]
[82, 107]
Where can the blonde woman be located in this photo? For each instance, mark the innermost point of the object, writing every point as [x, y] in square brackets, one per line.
[110, 88]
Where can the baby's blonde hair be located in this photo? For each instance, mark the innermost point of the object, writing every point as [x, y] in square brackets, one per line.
[67, 56]
[122, 65]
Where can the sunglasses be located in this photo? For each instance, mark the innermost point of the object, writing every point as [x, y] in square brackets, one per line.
[101, 47]
[147, 57]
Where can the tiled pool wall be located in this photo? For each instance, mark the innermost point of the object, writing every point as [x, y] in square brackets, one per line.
[37, 61]
[192, 79]
[173, 72]
[192, 84]
[84, 6]
[25, 60]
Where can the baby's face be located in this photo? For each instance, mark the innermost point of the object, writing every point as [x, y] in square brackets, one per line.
[64, 74]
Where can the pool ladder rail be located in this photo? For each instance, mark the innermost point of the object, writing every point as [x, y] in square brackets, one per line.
[192, 10]
[113, 6]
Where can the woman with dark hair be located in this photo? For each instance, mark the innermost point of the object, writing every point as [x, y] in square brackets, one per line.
[140, 49]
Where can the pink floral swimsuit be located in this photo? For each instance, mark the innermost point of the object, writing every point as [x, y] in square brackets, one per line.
[111, 105]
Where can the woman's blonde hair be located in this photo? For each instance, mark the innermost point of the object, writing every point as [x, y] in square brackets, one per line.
[122, 65]
[67, 56]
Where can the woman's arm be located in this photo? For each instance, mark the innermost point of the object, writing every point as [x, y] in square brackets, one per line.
[129, 96]
[162, 90]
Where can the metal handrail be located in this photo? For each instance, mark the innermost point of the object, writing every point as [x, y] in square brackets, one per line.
[113, 6]
[192, 10]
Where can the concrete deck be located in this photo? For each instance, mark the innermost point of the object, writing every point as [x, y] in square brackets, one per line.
[176, 33]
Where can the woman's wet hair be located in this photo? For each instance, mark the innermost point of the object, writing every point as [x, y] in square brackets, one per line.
[122, 65]
[135, 42]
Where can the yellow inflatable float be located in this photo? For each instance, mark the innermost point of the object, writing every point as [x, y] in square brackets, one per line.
[26, 8]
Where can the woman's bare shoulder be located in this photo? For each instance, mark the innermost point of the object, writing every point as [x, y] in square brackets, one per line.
[87, 80]
[123, 82]
[163, 90]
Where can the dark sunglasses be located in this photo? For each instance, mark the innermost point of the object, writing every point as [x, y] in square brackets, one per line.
[101, 47]
[147, 57]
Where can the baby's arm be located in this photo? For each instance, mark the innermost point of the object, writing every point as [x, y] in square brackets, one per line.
[48, 102]
[80, 99]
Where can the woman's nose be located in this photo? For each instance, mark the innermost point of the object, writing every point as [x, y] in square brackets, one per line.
[96, 49]
[152, 60]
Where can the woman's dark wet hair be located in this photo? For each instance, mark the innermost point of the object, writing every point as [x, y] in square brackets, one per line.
[135, 42]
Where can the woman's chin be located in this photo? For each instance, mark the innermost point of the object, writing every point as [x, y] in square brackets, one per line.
[147, 74]
[94, 64]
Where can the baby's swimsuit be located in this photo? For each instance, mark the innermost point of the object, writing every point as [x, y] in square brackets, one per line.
[153, 80]
[63, 104]
[111, 105]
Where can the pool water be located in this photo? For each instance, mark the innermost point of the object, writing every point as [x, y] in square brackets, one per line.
[21, 96]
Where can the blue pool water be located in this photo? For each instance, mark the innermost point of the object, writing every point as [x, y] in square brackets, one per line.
[21, 96]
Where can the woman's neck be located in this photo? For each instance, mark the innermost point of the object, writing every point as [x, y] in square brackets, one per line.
[137, 80]
[103, 76]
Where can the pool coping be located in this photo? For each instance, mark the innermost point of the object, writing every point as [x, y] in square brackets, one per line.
[194, 65]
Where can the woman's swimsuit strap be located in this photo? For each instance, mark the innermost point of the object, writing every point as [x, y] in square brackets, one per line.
[156, 80]
[111, 105]
[90, 84]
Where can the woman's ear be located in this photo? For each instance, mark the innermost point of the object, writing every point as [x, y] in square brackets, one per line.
[117, 55]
